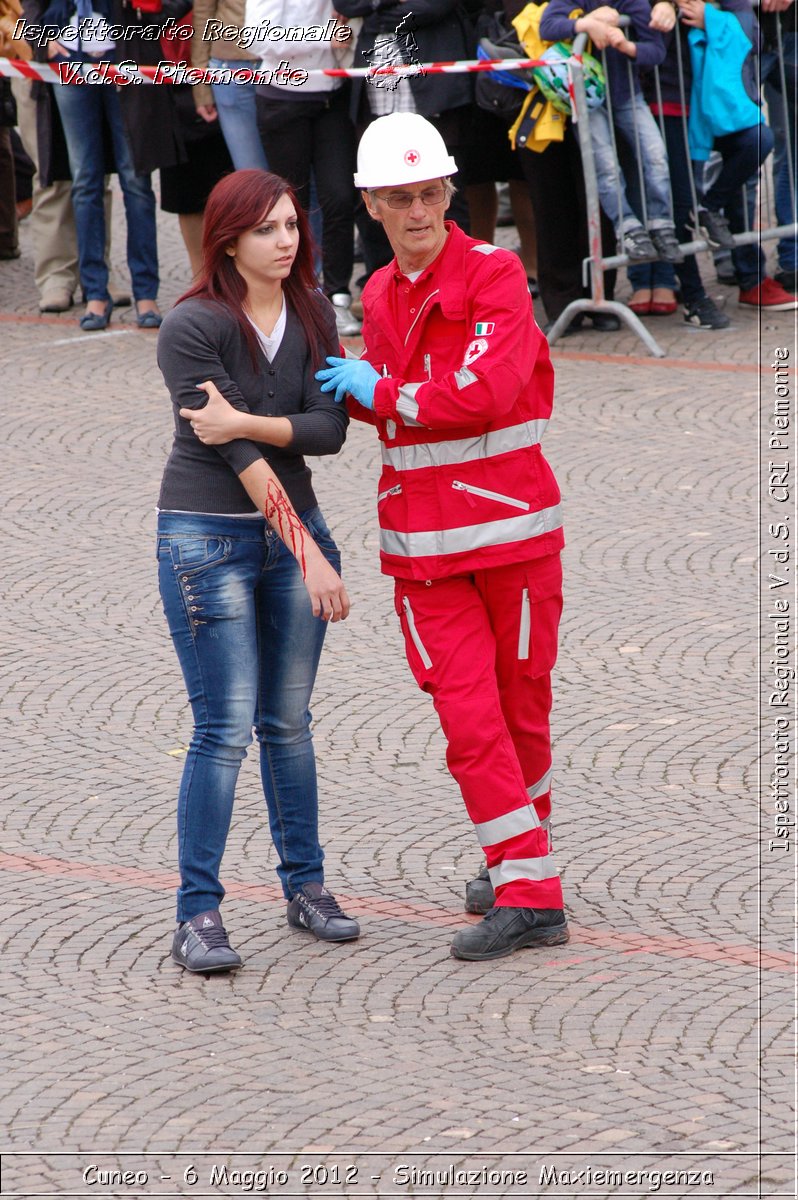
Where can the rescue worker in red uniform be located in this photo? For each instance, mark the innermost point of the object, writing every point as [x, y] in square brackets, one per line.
[456, 377]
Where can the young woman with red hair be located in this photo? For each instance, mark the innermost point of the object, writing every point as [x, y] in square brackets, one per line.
[248, 568]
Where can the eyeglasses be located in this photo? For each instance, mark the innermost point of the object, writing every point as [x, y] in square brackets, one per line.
[433, 195]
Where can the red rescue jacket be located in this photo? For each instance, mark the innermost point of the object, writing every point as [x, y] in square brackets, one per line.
[460, 413]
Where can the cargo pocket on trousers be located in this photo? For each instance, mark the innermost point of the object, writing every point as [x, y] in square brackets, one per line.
[539, 609]
[418, 657]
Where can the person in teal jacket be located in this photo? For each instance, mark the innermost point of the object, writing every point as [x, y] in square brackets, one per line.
[725, 115]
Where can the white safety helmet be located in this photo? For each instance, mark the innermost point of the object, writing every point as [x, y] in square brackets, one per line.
[401, 148]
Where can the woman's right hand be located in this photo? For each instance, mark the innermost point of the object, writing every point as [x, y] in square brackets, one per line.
[328, 596]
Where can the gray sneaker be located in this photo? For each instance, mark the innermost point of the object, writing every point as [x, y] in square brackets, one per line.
[316, 910]
[202, 945]
[713, 227]
[346, 322]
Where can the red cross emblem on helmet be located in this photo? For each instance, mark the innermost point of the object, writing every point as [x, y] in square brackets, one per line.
[412, 157]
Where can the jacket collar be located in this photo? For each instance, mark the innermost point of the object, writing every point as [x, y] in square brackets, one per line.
[446, 273]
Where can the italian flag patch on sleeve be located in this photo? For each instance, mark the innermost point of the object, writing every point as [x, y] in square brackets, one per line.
[484, 328]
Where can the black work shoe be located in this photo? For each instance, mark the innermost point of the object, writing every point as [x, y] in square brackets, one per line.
[479, 894]
[705, 314]
[202, 945]
[667, 245]
[506, 929]
[713, 227]
[637, 245]
[314, 908]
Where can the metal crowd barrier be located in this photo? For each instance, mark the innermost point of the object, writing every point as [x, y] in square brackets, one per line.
[597, 263]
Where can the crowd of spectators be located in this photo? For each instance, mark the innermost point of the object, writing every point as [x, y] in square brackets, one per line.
[679, 150]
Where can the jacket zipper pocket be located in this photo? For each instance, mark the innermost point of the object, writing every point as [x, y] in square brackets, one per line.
[524, 628]
[477, 491]
[394, 491]
[411, 629]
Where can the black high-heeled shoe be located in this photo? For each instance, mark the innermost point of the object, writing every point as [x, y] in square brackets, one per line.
[92, 321]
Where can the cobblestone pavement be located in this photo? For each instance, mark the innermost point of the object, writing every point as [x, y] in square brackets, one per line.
[635, 1048]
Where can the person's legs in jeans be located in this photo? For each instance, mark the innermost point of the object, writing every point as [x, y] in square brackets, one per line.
[80, 109]
[679, 168]
[142, 245]
[290, 641]
[651, 276]
[235, 104]
[782, 119]
[748, 261]
[742, 154]
[641, 133]
[208, 572]
[611, 186]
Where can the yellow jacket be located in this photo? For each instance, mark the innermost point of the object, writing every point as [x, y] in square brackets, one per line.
[539, 122]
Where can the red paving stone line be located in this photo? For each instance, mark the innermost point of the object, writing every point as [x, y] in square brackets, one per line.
[22, 319]
[626, 943]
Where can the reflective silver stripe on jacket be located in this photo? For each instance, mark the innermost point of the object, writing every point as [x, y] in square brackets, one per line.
[485, 248]
[520, 820]
[464, 377]
[462, 450]
[470, 537]
[406, 406]
[511, 869]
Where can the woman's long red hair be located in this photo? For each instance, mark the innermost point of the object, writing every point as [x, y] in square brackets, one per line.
[239, 202]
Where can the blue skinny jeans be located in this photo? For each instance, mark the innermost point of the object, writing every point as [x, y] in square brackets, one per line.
[249, 647]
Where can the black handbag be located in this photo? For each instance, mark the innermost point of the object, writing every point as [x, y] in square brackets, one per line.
[498, 39]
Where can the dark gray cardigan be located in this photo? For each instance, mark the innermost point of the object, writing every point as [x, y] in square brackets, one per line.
[201, 340]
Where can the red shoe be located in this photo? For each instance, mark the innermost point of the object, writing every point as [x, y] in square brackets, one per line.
[641, 307]
[768, 294]
[663, 308]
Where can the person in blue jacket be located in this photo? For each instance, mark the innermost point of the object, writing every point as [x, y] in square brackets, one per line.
[726, 115]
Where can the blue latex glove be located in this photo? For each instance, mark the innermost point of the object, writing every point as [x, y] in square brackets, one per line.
[352, 375]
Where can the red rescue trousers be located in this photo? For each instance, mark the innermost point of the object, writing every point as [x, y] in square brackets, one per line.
[483, 646]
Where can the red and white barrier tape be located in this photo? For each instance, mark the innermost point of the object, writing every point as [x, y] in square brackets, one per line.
[169, 72]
